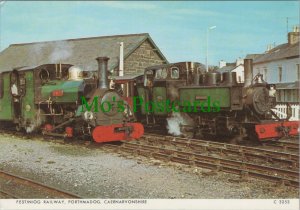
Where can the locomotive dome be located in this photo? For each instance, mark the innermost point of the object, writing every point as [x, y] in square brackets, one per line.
[75, 73]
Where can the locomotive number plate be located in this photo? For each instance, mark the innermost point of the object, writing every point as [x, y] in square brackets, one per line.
[200, 97]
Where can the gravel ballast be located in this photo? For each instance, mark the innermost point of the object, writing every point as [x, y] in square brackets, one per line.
[97, 173]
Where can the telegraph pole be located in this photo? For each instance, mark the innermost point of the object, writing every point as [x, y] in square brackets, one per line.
[1, 5]
[287, 25]
[207, 33]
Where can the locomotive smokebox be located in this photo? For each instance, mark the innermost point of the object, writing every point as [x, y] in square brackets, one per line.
[248, 72]
[102, 72]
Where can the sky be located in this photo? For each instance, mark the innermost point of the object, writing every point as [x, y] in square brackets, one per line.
[179, 28]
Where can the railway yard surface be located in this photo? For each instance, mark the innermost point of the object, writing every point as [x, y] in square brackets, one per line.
[87, 170]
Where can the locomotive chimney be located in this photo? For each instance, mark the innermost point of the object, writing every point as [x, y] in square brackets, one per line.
[248, 72]
[102, 72]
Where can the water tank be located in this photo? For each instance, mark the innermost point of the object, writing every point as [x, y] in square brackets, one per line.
[212, 78]
[229, 78]
[202, 79]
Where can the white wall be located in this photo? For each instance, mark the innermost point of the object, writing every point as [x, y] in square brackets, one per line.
[239, 73]
[271, 72]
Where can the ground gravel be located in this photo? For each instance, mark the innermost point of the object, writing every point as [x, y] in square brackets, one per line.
[97, 173]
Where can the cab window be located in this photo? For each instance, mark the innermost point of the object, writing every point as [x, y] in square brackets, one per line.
[174, 73]
[149, 76]
[158, 74]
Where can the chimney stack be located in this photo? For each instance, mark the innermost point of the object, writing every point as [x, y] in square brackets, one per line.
[293, 37]
[269, 47]
[222, 64]
[239, 61]
[102, 72]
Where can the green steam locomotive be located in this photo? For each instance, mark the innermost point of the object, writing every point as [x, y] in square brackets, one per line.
[49, 98]
[192, 102]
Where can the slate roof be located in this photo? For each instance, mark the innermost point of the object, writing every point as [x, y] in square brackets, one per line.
[252, 56]
[81, 52]
[127, 77]
[282, 51]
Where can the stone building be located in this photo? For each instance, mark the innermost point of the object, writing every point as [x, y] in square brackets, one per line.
[143, 56]
[139, 52]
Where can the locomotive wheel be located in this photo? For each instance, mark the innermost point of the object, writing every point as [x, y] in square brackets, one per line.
[252, 135]
[198, 134]
[186, 134]
[253, 138]
[18, 127]
[236, 140]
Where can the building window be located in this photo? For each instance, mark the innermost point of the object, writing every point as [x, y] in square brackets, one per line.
[295, 96]
[265, 74]
[288, 95]
[174, 73]
[258, 71]
[280, 73]
[298, 71]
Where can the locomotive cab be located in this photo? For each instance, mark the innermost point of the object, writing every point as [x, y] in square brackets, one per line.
[160, 88]
[75, 73]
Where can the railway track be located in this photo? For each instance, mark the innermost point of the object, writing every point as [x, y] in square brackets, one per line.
[216, 164]
[290, 145]
[235, 159]
[6, 195]
[244, 153]
[14, 186]
[284, 145]
[262, 163]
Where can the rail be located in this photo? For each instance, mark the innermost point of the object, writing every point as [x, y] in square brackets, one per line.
[27, 187]
[244, 169]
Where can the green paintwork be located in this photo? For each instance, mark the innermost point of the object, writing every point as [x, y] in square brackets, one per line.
[28, 99]
[142, 95]
[70, 89]
[5, 101]
[159, 96]
[221, 94]
[79, 111]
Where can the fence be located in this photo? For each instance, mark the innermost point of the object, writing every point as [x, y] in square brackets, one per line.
[281, 110]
